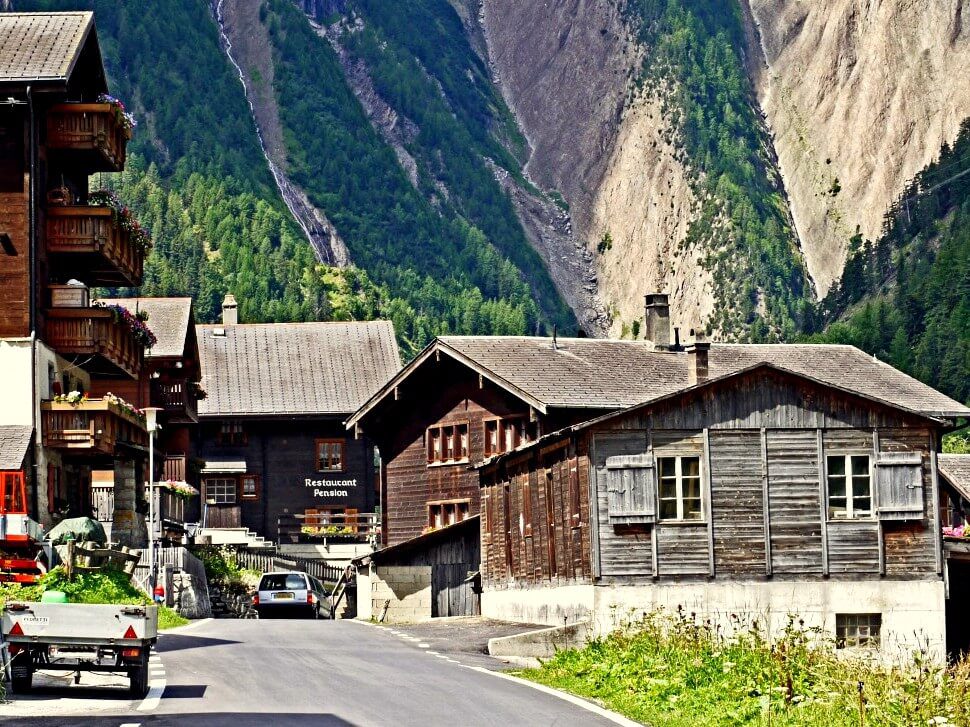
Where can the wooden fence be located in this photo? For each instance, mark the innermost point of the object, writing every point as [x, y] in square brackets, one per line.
[265, 562]
[179, 558]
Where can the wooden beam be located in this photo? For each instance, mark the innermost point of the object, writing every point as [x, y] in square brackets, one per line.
[935, 502]
[708, 498]
[765, 505]
[874, 494]
[823, 504]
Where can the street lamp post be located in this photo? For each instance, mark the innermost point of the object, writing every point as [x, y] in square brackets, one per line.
[151, 424]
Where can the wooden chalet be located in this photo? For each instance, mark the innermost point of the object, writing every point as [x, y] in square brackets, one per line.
[954, 515]
[56, 129]
[169, 380]
[277, 462]
[754, 481]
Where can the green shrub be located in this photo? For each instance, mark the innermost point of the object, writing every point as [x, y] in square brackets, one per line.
[676, 671]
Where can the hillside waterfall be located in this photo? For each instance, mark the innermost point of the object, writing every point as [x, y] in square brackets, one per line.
[319, 232]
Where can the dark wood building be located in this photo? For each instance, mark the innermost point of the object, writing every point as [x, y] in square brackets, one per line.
[954, 515]
[760, 492]
[57, 239]
[275, 456]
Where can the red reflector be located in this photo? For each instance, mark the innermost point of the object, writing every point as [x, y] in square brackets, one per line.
[131, 653]
[130, 633]
[14, 650]
[255, 599]
[16, 630]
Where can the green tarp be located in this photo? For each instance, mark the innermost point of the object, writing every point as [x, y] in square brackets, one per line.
[79, 529]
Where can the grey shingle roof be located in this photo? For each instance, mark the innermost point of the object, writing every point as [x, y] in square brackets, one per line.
[608, 374]
[294, 368]
[41, 46]
[168, 319]
[955, 469]
[583, 372]
[14, 440]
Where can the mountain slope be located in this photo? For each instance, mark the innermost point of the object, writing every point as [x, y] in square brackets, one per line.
[860, 97]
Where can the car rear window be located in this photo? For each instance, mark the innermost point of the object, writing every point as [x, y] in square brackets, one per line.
[282, 582]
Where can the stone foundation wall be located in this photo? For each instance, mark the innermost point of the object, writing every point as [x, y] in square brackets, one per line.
[405, 589]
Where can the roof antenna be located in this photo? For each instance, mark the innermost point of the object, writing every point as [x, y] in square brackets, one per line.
[555, 343]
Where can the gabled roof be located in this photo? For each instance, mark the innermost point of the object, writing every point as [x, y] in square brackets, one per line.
[275, 369]
[462, 527]
[585, 373]
[955, 469]
[168, 318]
[14, 440]
[41, 46]
[688, 391]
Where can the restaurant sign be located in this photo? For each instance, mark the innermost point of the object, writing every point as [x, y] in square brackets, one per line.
[329, 488]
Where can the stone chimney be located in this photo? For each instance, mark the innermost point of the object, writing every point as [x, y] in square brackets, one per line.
[657, 320]
[697, 360]
[230, 310]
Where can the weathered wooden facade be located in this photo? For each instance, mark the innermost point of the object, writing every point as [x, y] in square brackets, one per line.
[760, 493]
[275, 456]
[56, 241]
[954, 515]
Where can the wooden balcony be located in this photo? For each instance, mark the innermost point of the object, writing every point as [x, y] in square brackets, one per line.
[84, 241]
[95, 428]
[92, 337]
[178, 400]
[88, 133]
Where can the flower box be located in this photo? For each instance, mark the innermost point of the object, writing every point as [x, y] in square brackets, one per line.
[88, 241]
[93, 134]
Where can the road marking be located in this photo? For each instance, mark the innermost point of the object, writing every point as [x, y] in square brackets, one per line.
[187, 627]
[565, 696]
[130, 724]
[424, 646]
[156, 683]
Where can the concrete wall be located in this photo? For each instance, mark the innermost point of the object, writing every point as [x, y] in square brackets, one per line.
[15, 381]
[365, 601]
[912, 611]
[554, 606]
[407, 588]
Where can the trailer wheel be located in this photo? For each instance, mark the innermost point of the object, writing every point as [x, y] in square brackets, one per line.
[22, 676]
[138, 678]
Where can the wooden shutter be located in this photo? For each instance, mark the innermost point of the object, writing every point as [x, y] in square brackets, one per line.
[630, 490]
[899, 483]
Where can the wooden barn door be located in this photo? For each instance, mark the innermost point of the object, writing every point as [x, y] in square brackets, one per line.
[451, 595]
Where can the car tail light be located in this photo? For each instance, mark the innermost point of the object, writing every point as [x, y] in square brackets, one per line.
[309, 597]
[255, 599]
[131, 653]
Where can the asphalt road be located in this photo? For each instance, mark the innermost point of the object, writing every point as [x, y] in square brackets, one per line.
[291, 672]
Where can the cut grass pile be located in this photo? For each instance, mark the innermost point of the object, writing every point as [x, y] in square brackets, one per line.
[107, 586]
[672, 671]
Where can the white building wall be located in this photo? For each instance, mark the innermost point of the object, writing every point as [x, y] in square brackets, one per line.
[15, 379]
[913, 616]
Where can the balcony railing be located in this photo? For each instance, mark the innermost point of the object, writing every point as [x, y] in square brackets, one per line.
[94, 336]
[169, 508]
[85, 241]
[178, 399]
[90, 132]
[93, 426]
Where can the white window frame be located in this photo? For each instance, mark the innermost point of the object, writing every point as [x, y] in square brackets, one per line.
[850, 494]
[679, 487]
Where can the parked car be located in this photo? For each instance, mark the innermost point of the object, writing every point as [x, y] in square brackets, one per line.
[291, 592]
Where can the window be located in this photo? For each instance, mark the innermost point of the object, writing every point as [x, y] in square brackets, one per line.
[680, 488]
[330, 455]
[850, 486]
[231, 434]
[249, 489]
[447, 443]
[853, 630]
[504, 435]
[220, 490]
[442, 514]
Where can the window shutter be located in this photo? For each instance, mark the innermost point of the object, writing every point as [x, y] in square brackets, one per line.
[899, 479]
[630, 490]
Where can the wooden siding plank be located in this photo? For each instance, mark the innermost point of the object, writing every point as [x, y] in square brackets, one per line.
[794, 505]
[706, 474]
[823, 502]
[737, 504]
[766, 499]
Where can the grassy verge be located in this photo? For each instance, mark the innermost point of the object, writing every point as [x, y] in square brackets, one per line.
[675, 672]
[110, 587]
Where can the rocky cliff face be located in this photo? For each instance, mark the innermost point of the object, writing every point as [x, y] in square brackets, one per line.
[566, 70]
[860, 95]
